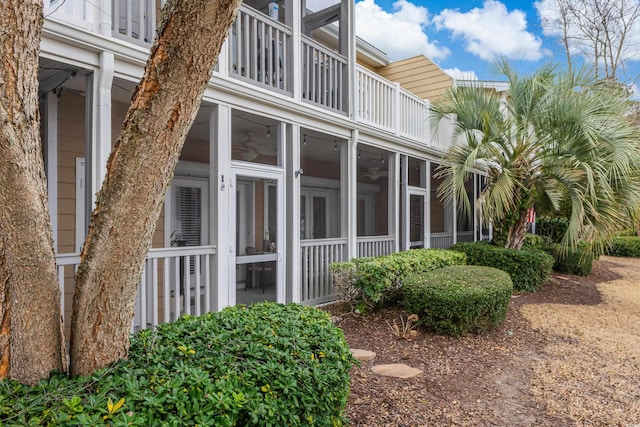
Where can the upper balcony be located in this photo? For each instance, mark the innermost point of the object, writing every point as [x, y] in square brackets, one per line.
[260, 51]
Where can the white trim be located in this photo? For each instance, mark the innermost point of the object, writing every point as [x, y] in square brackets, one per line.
[81, 205]
[51, 139]
[100, 120]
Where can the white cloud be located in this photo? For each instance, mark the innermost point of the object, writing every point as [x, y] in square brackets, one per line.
[493, 31]
[458, 74]
[398, 33]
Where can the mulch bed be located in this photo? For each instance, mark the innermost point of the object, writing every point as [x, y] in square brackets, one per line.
[481, 380]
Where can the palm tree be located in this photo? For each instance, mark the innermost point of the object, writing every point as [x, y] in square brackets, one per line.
[554, 139]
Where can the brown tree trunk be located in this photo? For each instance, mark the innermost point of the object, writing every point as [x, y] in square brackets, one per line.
[31, 337]
[138, 173]
[517, 232]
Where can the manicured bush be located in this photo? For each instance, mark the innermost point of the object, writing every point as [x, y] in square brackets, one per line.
[574, 261]
[624, 246]
[534, 241]
[263, 365]
[370, 282]
[552, 228]
[528, 268]
[458, 300]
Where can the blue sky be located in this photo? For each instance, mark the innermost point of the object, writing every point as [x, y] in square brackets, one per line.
[466, 36]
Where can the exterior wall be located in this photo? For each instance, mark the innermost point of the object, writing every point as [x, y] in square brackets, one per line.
[418, 75]
[71, 144]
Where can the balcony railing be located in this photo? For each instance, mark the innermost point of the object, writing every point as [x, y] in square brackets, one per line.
[375, 99]
[317, 283]
[324, 76]
[386, 105]
[175, 281]
[134, 20]
[414, 117]
[260, 50]
[369, 246]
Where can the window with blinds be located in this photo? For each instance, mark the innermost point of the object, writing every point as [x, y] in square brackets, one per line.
[189, 215]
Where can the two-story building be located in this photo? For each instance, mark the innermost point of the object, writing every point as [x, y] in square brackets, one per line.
[302, 153]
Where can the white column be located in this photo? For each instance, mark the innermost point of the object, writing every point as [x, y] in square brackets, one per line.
[348, 49]
[294, 19]
[426, 180]
[103, 12]
[100, 118]
[475, 207]
[394, 199]
[51, 149]
[404, 204]
[221, 195]
[293, 175]
[455, 221]
[349, 191]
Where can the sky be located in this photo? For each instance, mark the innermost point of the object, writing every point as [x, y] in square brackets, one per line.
[466, 37]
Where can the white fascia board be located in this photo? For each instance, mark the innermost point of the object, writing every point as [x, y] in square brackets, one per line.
[58, 38]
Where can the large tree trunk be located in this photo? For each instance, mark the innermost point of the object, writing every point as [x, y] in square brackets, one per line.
[138, 173]
[31, 337]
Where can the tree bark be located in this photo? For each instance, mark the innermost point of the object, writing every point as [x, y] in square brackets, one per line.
[139, 170]
[31, 335]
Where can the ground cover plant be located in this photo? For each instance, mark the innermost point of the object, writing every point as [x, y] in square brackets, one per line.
[528, 268]
[263, 365]
[370, 282]
[458, 300]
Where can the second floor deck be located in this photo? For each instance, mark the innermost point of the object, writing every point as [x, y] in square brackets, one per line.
[260, 51]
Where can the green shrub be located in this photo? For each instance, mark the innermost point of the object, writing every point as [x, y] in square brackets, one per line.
[625, 246]
[528, 268]
[263, 365]
[370, 282]
[552, 228]
[457, 300]
[534, 241]
[575, 261]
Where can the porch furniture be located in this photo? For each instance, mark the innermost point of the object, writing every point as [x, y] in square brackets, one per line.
[250, 250]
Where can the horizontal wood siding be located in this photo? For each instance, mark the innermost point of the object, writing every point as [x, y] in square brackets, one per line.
[418, 75]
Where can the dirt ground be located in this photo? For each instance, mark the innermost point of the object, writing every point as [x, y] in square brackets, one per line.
[567, 355]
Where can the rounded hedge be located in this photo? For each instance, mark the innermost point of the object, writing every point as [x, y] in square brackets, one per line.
[458, 300]
[528, 268]
[263, 365]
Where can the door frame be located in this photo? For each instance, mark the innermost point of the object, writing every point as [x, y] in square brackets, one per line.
[259, 172]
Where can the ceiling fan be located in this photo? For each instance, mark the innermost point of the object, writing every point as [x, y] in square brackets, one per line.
[249, 149]
[374, 172]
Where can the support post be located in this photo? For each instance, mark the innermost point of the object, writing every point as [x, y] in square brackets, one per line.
[293, 176]
[221, 195]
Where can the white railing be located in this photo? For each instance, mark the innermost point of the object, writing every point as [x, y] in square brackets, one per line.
[134, 20]
[324, 76]
[414, 117]
[386, 105]
[375, 99]
[369, 246]
[260, 50]
[441, 240]
[81, 13]
[174, 281]
[317, 283]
